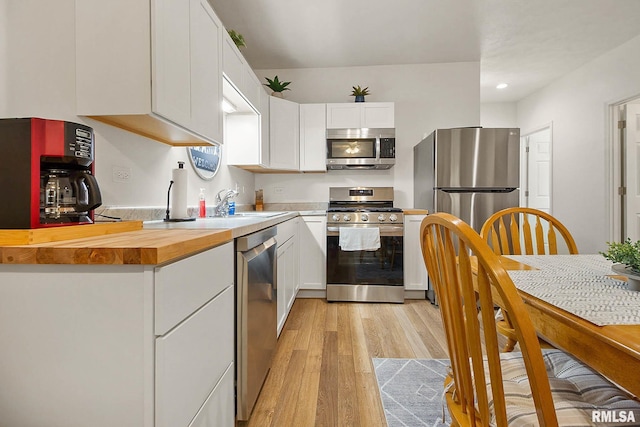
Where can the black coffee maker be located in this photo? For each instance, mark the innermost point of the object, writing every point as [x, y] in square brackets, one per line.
[48, 175]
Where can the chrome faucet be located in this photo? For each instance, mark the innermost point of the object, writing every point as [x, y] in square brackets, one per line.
[222, 202]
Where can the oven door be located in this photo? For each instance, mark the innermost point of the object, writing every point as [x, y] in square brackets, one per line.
[381, 267]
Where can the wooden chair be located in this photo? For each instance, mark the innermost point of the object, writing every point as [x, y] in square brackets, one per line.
[509, 232]
[469, 280]
[506, 231]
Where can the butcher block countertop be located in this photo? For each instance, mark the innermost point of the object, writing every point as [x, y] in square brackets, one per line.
[131, 247]
[127, 243]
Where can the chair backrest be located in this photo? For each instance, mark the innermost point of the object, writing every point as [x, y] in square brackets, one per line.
[510, 232]
[468, 277]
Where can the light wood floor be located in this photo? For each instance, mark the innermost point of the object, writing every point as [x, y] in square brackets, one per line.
[322, 373]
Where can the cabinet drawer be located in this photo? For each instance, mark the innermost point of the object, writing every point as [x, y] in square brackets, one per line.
[286, 230]
[184, 286]
[219, 409]
[191, 359]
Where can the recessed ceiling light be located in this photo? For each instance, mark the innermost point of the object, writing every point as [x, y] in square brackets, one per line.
[502, 86]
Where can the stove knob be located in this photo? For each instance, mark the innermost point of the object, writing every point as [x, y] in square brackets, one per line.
[393, 217]
[381, 218]
[335, 217]
[364, 217]
[347, 217]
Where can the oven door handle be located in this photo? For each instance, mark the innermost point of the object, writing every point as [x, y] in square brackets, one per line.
[385, 230]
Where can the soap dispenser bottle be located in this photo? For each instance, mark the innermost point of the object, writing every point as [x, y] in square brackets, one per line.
[202, 204]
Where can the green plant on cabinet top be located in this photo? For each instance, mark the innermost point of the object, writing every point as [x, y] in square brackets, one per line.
[276, 85]
[237, 38]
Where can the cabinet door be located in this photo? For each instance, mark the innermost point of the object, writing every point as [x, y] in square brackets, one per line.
[206, 70]
[293, 272]
[265, 128]
[343, 115]
[184, 286]
[313, 139]
[284, 138]
[415, 273]
[171, 60]
[377, 115]
[191, 359]
[313, 244]
[252, 86]
[232, 62]
[282, 265]
[219, 409]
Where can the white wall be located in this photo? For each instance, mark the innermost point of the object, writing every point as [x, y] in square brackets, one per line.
[426, 96]
[3, 55]
[499, 114]
[39, 80]
[37, 73]
[577, 105]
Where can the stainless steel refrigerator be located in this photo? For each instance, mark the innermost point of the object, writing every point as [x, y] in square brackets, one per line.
[468, 172]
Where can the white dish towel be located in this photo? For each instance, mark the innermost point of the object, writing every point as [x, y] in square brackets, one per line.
[359, 239]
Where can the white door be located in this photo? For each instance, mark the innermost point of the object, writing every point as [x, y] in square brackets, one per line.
[632, 171]
[538, 170]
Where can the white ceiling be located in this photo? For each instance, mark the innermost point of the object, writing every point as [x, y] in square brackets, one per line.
[526, 43]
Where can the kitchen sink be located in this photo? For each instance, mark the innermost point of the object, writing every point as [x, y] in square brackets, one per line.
[261, 214]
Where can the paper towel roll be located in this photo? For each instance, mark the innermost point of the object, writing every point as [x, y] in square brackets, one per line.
[179, 193]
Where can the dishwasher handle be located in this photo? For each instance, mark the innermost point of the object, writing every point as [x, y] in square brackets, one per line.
[250, 241]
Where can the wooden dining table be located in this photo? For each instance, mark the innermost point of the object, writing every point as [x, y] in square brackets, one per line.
[613, 350]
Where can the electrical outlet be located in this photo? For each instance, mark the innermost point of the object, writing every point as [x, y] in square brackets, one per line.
[278, 190]
[120, 174]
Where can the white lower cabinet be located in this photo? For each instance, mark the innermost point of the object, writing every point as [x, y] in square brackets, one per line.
[287, 268]
[219, 409]
[191, 359]
[313, 252]
[119, 345]
[415, 272]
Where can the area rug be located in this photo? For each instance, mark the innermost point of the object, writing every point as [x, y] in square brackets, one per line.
[412, 391]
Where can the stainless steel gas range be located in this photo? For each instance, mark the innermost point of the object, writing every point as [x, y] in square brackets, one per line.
[364, 245]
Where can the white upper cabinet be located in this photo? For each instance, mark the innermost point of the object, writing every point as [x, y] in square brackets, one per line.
[239, 73]
[233, 63]
[157, 73]
[313, 125]
[247, 131]
[284, 140]
[361, 115]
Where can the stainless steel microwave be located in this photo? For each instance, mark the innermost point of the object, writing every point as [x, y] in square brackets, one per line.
[365, 148]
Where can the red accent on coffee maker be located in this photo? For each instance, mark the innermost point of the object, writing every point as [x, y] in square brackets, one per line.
[48, 178]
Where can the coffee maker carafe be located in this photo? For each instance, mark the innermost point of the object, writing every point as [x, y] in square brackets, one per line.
[68, 194]
[50, 178]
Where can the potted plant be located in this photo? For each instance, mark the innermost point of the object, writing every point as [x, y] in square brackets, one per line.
[237, 38]
[359, 93]
[277, 86]
[627, 255]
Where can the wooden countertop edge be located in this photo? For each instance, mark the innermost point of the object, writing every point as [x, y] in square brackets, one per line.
[415, 211]
[58, 234]
[150, 247]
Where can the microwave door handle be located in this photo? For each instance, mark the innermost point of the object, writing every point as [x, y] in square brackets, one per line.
[359, 166]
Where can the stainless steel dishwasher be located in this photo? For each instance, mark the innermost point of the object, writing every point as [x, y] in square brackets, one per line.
[256, 315]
